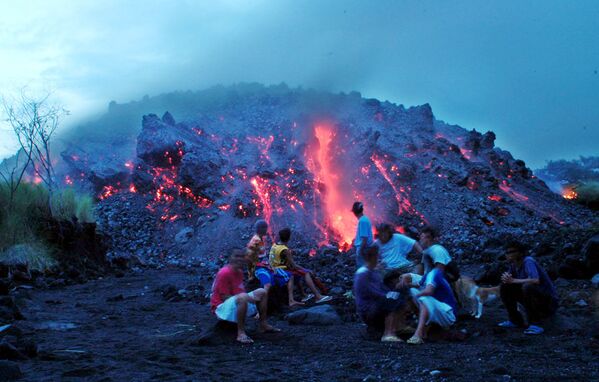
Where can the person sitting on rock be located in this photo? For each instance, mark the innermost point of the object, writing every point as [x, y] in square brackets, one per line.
[433, 297]
[282, 262]
[364, 236]
[256, 249]
[377, 305]
[229, 301]
[526, 283]
[429, 237]
[393, 250]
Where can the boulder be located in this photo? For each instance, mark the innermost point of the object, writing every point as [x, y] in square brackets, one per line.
[590, 254]
[316, 315]
[184, 235]
[595, 280]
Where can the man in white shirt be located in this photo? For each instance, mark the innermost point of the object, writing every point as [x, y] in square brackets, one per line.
[394, 249]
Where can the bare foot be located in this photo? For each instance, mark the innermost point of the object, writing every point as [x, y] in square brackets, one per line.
[266, 328]
[294, 303]
[244, 339]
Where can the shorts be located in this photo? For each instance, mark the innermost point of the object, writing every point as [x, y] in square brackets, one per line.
[376, 317]
[439, 312]
[278, 277]
[227, 311]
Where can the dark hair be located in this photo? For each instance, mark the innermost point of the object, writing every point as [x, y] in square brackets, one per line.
[517, 245]
[357, 208]
[385, 227]
[236, 253]
[429, 229]
[285, 235]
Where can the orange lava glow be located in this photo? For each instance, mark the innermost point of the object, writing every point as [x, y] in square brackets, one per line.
[569, 193]
[505, 187]
[336, 204]
[261, 188]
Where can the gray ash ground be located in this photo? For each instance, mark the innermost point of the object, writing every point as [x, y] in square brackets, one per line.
[127, 329]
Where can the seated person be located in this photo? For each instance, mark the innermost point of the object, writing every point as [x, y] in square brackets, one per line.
[393, 250]
[281, 262]
[434, 298]
[229, 302]
[526, 283]
[256, 251]
[377, 305]
[428, 242]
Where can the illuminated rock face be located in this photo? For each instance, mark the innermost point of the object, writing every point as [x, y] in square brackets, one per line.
[300, 159]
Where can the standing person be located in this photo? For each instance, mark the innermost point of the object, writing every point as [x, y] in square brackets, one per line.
[434, 298]
[377, 305]
[281, 260]
[364, 236]
[230, 302]
[394, 249]
[527, 283]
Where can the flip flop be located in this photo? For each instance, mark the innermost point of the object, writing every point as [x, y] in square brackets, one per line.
[507, 324]
[324, 299]
[308, 298]
[415, 340]
[534, 330]
[391, 338]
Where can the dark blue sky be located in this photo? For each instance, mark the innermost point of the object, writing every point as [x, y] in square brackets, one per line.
[526, 70]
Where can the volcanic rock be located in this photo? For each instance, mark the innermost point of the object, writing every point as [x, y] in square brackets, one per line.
[10, 371]
[184, 235]
[316, 315]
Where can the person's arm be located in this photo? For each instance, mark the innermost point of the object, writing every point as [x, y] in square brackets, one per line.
[290, 261]
[428, 291]
[371, 289]
[417, 249]
[531, 272]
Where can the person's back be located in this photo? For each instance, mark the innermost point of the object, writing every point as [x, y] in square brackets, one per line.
[276, 257]
[443, 291]
[369, 289]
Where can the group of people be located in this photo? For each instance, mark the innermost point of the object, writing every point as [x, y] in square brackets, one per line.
[229, 301]
[388, 286]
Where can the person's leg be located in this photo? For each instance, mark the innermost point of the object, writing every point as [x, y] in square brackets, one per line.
[261, 301]
[511, 294]
[241, 300]
[391, 322]
[422, 319]
[538, 305]
[292, 301]
[310, 284]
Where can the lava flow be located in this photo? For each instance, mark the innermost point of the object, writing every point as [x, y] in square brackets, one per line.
[335, 203]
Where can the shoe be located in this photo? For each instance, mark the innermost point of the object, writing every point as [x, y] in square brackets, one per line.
[415, 340]
[507, 324]
[391, 338]
[324, 299]
[533, 329]
[308, 298]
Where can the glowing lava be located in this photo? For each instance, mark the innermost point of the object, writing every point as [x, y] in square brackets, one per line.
[261, 188]
[336, 204]
[569, 193]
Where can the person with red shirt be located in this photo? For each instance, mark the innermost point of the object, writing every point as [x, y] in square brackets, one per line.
[230, 302]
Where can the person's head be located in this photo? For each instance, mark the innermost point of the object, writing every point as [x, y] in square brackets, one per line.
[515, 251]
[428, 236]
[261, 227]
[371, 256]
[237, 259]
[385, 232]
[285, 235]
[358, 209]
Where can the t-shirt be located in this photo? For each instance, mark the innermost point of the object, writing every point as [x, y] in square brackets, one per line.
[275, 258]
[228, 282]
[256, 251]
[438, 254]
[364, 230]
[394, 252]
[369, 290]
[443, 290]
[530, 269]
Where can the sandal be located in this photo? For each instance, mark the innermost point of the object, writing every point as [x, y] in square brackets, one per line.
[415, 340]
[533, 329]
[324, 299]
[308, 298]
[507, 324]
[391, 338]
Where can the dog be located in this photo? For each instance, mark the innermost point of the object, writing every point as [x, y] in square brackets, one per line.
[472, 297]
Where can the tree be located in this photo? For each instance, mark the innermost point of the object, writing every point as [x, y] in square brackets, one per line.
[34, 121]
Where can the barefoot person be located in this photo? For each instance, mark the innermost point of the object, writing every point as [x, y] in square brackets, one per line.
[230, 302]
[377, 305]
[364, 236]
[281, 261]
[435, 300]
[526, 283]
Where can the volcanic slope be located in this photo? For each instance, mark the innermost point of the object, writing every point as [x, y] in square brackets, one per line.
[298, 158]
